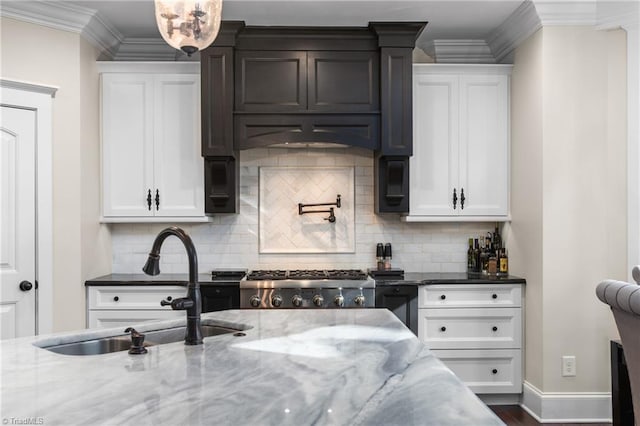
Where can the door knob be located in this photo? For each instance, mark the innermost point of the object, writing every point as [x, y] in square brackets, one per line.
[25, 286]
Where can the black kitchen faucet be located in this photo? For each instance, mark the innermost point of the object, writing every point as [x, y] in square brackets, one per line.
[192, 303]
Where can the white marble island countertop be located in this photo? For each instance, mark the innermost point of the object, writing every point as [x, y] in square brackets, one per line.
[293, 367]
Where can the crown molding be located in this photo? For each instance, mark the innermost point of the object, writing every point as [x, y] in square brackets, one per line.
[66, 17]
[148, 49]
[618, 14]
[459, 51]
[554, 12]
[25, 86]
[518, 27]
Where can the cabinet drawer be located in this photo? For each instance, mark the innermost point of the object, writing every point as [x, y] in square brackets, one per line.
[486, 371]
[121, 297]
[125, 318]
[470, 328]
[462, 295]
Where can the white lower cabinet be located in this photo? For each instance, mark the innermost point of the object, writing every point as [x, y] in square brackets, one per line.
[476, 330]
[123, 306]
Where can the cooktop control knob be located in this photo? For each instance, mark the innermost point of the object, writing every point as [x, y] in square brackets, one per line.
[318, 300]
[276, 300]
[255, 301]
[296, 300]
[359, 300]
[339, 301]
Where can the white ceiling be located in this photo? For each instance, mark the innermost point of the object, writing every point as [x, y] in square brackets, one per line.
[450, 19]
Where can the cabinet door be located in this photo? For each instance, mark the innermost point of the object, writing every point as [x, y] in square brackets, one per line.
[402, 301]
[434, 165]
[127, 144]
[178, 166]
[268, 81]
[484, 144]
[343, 81]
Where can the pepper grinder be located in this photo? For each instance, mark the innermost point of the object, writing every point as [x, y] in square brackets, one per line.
[380, 256]
[387, 256]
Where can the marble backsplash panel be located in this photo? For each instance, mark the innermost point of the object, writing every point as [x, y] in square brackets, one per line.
[283, 230]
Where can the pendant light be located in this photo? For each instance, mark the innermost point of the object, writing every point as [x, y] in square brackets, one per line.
[188, 25]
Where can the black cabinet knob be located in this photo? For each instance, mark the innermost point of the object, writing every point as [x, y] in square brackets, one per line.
[494, 371]
[495, 328]
[25, 285]
[443, 297]
[116, 298]
[494, 296]
[443, 328]
[169, 298]
[396, 290]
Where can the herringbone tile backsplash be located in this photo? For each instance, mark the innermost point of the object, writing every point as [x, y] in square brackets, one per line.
[283, 230]
[233, 241]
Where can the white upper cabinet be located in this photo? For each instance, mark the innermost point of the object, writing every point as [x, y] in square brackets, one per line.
[460, 165]
[152, 170]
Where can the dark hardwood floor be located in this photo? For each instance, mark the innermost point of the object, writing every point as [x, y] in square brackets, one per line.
[514, 415]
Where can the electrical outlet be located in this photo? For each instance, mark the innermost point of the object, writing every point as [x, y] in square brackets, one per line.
[568, 366]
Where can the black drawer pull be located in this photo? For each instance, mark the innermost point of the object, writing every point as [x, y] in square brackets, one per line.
[494, 296]
[169, 298]
[396, 290]
[495, 328]
[443, 328]
[494, 371]
[443, 297]
[116, 298]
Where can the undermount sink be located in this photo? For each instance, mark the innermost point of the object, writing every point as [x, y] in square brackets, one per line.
[123, 343]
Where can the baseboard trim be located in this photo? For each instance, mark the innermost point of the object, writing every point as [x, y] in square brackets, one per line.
[500, 398]
[566, 407]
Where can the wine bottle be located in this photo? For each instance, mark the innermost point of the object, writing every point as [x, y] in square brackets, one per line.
[476, 256]
[470, 261]
[497, 238]
[484, 257]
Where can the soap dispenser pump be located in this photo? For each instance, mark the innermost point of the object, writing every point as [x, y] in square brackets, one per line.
[137, 342]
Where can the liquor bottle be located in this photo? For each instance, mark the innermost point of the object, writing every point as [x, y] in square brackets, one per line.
[470, 261]
[503, 263]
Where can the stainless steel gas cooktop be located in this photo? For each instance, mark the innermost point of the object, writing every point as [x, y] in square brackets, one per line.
[335, 288]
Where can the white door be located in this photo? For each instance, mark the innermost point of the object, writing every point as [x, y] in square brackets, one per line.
[484, 144]
[17, 223]
[434, 165]
[127, 145]
[178, 165]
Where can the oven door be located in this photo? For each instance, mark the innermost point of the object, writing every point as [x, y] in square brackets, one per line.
[220, 297]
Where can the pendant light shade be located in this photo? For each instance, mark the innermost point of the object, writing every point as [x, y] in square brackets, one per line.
[188, 25]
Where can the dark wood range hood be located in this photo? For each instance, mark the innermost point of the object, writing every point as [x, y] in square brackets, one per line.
[269, 86]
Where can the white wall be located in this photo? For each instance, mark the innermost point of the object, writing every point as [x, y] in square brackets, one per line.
[569, 186]
[523, 235]
[42, 55]
[231, 241]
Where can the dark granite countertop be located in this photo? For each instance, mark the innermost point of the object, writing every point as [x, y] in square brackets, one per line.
[162, 279]
[410, 278]
[430, 278]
